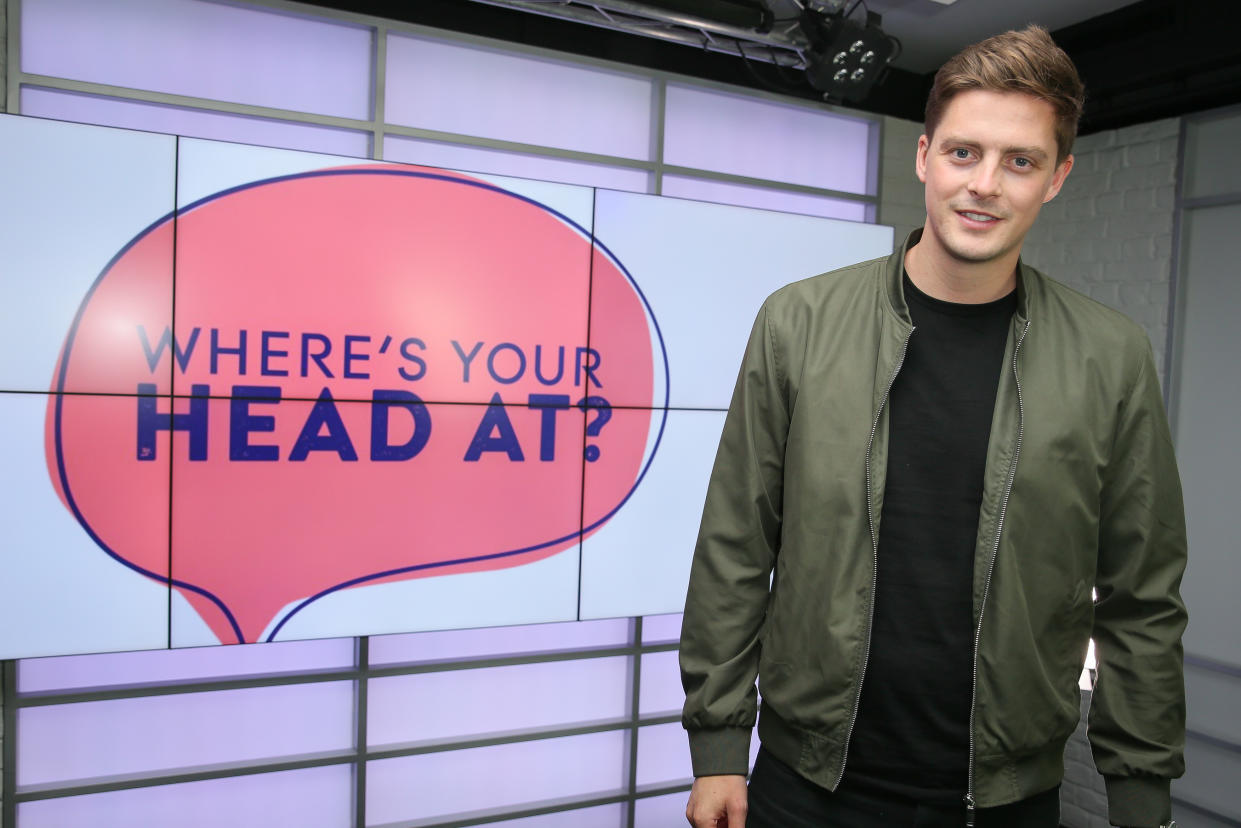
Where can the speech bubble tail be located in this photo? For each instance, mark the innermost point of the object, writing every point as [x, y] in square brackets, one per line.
[217, 618]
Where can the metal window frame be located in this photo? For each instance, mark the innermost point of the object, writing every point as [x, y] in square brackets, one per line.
[360, 674]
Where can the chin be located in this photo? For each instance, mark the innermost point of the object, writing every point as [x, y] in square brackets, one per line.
[973, 255]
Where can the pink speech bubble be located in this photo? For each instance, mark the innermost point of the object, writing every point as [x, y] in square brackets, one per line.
[380, 373]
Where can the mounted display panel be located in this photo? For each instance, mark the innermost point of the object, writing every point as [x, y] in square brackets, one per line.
[257, 394]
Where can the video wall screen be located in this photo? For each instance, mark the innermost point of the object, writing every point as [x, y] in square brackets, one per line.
[255, 394]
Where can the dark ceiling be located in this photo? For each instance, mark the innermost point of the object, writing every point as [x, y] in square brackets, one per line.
[1148, 60]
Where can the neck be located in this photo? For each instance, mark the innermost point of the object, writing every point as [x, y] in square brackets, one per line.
[952, 280]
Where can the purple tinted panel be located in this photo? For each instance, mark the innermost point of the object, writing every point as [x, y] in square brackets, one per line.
[89, 740]
[433, 707]
[723, 192]
[664, 811]
[660, 628]
[480, 779]
[663, 755]
[75, 672]
[497, 641]
[604, 816]
[491, 94]
[311, 798]
[660, 690]
[198, 123]
[763, 139]
[203, 49]
[498, 162]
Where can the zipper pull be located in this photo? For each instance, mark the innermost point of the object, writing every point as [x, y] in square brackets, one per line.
[969, 811]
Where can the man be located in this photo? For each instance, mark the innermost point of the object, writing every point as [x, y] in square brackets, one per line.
[928, 464]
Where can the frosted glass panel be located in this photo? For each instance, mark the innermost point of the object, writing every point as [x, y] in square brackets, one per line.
[763, 139]
[723, 192]
[660, 690]
[198, 123]
[476, 91]
[497, 641]
[311, 798]
[204, 49]
[110, 669]
[89, 740]
[502, 776]
[663, 755]
[432, 707]
[667, 811]
[476, 159]
[658, 628]
[604, 816]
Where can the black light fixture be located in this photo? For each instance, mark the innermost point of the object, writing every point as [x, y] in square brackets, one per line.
[846, 57]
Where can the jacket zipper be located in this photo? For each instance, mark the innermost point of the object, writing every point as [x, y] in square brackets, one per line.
[874, 542]
[999, 527]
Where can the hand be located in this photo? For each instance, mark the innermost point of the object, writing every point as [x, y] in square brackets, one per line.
[717, 802]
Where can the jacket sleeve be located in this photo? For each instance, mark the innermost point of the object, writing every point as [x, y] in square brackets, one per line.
[733, 559]
[1137, 717]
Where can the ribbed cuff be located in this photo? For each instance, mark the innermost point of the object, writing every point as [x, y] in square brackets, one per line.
[1140, 801]
[714, 752]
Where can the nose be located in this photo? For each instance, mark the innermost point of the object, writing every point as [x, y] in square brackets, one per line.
[985, 182]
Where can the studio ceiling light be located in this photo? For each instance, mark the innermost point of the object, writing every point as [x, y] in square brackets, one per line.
[839, 56]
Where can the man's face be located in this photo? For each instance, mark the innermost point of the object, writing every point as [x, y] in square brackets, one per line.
[989, 167]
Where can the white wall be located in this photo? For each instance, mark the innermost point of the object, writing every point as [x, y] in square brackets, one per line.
[1204, 400]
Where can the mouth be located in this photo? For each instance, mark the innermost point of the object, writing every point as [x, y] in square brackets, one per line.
[975, 217]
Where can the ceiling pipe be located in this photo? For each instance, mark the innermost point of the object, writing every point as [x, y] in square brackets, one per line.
[783, 46]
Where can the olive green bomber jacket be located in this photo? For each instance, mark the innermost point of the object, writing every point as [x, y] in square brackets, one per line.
[1081, 490]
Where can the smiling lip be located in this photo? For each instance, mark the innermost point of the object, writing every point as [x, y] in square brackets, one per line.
[977, 217]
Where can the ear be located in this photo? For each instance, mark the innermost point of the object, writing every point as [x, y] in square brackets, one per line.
[1057, 179]
[924, 144]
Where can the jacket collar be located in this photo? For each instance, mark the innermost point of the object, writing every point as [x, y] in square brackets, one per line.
[1028, 281]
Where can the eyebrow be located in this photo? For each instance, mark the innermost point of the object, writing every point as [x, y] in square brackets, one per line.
[950, 141]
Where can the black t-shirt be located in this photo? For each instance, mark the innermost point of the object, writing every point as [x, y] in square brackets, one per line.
[911, 738]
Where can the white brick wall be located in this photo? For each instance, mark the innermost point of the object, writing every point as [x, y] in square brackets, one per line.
[1109, 232]
[901, 204]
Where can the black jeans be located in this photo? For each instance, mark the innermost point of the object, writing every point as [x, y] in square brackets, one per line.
[780, 798]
